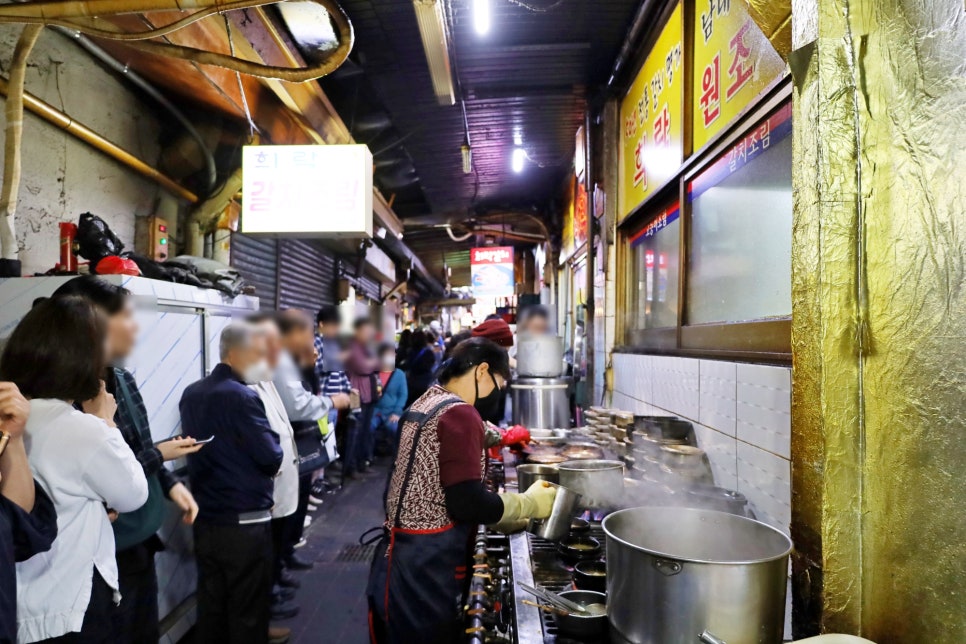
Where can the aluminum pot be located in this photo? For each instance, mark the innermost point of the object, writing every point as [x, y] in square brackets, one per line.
[541, 403]
[530, 473]
[557, 525]
[540, 356]
[600, 483]
[675, 573]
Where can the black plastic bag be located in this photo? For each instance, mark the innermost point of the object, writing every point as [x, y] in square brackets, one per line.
[95, 239]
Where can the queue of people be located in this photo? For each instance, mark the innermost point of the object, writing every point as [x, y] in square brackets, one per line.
[294, 410]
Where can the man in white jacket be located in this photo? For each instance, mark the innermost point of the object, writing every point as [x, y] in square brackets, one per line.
[287, 479]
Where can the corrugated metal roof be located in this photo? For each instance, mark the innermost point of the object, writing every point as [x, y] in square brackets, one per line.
[528, 78]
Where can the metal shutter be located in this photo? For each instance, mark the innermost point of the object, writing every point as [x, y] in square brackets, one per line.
[256, 259]
[369, 287]
[306, 275]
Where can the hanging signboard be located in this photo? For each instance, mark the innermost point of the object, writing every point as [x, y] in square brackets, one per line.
[733, 63]
[652, 120]
[307, 190]
[567, 241]
[491, 269]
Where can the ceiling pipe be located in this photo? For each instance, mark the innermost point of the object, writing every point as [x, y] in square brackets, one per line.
[211, 170]
[88, 16]
[631, 40]
[73, 127]
[12, 148]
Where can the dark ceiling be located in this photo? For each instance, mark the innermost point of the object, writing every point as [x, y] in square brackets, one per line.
[529, 77]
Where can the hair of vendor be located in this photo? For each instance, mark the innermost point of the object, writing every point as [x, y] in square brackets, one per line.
[471, 353]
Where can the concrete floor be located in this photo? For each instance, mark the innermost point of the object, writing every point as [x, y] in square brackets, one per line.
[332, 596]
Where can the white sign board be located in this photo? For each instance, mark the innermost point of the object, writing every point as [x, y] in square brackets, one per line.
[307, 190]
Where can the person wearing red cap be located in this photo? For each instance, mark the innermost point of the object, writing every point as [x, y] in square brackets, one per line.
[496, 330]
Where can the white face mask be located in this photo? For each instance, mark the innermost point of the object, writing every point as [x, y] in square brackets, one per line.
[258, 372]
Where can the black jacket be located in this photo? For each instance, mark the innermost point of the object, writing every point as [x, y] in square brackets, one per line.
[234, 473]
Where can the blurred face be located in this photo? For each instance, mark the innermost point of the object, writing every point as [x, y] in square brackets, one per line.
[366, 333]
[122, 332]
[388, 360]
[251, 361]
[329, 329]
[273, 343]
[538, 325]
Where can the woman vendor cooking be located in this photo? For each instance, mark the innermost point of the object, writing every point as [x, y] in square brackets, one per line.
[436, 499]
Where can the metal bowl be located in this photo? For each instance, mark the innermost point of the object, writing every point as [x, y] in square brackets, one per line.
[591, 575]
[579, 626]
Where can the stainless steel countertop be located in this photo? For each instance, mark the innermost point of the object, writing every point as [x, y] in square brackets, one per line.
[529, 624]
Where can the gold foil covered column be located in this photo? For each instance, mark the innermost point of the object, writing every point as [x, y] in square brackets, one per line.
[879, 331]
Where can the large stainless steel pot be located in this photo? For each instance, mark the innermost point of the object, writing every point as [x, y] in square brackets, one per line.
[675, 573]
[541, 403]
[540, 356]
[530, 473]
[600, 483]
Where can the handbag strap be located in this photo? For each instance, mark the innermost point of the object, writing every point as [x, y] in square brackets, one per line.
[422, 418]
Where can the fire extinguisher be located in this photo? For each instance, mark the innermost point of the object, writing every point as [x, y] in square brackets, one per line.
[68, 260]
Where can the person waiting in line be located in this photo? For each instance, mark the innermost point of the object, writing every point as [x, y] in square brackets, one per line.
[28, 522]
[389, 408]
[403, 348]
[56, 356]
[361, 367]
[234, 482]
[437, 498]
[135, 533]
[305, 409]
[286, 492]
[422, 366]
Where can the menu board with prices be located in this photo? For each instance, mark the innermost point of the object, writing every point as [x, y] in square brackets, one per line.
[733, 63]
[652, 120]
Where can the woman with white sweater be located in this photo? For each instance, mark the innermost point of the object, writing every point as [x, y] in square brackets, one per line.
[56, 357]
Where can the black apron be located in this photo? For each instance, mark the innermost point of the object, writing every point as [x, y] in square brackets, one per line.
[418, 579]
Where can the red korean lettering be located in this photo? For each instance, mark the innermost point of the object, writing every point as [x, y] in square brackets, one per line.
[662, 127]
[640, 173]
[741, 69]
[711, 91]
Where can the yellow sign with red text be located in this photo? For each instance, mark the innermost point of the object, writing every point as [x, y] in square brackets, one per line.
[733, 63]
[652, 120]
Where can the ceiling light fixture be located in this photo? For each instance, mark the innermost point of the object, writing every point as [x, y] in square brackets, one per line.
[517, 159]
[431, 19]
[481, 16]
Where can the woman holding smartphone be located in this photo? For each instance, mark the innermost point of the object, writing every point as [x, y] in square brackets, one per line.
[28, 523]
[56, 356]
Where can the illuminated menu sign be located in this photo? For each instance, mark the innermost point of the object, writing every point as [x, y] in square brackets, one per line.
[307, 190]
[652, 120]
[733, 63]
[492, 271]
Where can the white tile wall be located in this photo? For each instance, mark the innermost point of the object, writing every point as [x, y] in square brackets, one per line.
[718, 395]
[764, 408]
[766, 480]
[742, 417]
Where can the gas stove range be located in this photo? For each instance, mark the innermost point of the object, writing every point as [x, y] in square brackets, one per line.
[496, 612]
